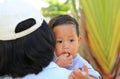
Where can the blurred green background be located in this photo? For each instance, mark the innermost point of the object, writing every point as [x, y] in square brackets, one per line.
[99, 27]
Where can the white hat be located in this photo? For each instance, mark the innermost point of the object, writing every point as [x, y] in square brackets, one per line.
[12, 13]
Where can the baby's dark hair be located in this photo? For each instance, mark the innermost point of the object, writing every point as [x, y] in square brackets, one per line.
[64, 19]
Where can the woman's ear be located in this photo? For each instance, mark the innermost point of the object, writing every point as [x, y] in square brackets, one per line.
[79, 39]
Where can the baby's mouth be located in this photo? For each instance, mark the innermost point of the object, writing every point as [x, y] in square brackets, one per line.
[67, 53]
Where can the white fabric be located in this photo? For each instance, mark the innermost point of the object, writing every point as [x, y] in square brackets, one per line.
[12, 13]
[51, 72]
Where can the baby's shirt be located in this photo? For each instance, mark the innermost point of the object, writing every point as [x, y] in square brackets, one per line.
[78, 62]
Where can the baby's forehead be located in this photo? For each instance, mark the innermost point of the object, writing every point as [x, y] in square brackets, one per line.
[67, 28]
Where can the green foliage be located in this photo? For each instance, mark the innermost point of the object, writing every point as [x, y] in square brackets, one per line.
[103, 36]
[55, 8]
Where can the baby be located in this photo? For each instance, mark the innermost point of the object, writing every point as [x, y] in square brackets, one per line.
[66, 31]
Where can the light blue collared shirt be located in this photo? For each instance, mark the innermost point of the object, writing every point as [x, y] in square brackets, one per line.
[78, 62]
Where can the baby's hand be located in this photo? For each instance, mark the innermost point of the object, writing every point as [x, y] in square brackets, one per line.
[79, 74]
[64, 60]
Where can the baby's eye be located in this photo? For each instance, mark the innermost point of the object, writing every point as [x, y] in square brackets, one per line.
[71, 40]
[59, 41]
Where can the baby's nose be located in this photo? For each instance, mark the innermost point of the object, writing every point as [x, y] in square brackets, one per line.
[66, 50]
[66, 47]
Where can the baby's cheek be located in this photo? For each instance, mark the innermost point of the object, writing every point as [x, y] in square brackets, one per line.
[58, 53]
[74, 53]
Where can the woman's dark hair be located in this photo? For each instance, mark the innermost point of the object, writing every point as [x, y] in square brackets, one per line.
[64, 19]
[28, 54]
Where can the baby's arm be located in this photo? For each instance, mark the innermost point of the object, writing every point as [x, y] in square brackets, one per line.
[79, 74]
[64, 60]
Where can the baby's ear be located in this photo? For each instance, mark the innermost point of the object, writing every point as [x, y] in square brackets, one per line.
[79, 39]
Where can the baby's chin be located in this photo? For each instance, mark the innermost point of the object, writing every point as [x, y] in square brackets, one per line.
[74, 55]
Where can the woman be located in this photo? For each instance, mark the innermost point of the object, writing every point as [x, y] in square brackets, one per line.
[26, 44]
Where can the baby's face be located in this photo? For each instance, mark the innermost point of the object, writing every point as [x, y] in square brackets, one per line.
[67, 40]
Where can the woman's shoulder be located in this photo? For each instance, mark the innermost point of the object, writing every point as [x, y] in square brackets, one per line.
[52, 71]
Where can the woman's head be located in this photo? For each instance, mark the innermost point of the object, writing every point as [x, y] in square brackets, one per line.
[26, 41]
